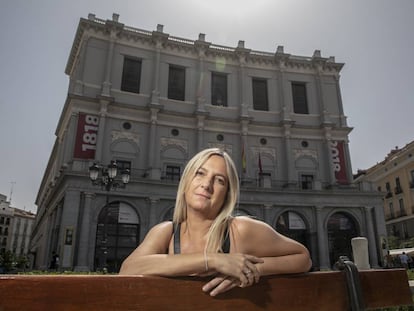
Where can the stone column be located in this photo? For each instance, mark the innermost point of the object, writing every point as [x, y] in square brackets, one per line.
[372, 245]
[290, 162]
[84, 236]
[153, 219]
[158, 37]
[322, 241]
[201, 47]
[155, 91]
[328, 148]
[101, 130]
[244, 150]
[106, 86]
[266, 214]
[69, 223]
[70, 137]
[153, 157]
[80, 75]
[200, 131]
[342, 120]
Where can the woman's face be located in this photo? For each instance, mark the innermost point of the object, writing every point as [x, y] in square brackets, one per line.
[207, 191]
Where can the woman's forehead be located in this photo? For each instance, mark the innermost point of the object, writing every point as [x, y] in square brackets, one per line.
[215, 163]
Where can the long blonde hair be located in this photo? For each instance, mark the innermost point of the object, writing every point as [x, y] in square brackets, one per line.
[218, 228]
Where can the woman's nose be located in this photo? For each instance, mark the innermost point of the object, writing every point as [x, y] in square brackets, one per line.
[206, 184]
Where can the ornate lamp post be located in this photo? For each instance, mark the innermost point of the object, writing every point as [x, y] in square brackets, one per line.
[108, 174]
[105, 177]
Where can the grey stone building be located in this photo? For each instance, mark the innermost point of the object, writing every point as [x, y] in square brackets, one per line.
[150, 101]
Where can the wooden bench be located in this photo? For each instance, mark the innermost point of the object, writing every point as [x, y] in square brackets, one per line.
[307, 292]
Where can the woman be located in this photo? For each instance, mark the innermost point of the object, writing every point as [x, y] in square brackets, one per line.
[205, 239]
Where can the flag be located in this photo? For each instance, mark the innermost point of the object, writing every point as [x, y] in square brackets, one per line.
[243, 160]
[260, 165]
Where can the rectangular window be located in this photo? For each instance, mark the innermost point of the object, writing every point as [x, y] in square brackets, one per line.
[412, 179]
[388, 190]
[306, 181]
[265, 180]
[219, 89]
[391, 210]
[173, 173]
[131, 75]
[398, 188]
[122, 166]
[300, 102]
[176, 83]
[402, 209]
[260, 101]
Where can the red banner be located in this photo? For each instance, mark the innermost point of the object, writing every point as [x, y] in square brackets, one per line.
[338, 160]
[86, 136]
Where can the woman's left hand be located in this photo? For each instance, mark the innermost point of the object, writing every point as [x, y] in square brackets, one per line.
[223, 283]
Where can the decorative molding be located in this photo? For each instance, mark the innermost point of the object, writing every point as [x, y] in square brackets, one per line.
[226, 147]
[165, 142]
[264, 151]
[116, 135]
[305, 153]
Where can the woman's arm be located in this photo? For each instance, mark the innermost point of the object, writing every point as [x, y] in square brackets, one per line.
[281, 254]
[151, 258]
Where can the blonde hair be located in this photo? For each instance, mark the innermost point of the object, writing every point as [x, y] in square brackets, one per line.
[218, 228]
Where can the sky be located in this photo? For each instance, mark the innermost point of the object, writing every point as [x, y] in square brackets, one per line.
[373, 38]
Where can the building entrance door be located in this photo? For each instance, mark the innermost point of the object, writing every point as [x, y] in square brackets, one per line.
[117, 235]
[341, 229]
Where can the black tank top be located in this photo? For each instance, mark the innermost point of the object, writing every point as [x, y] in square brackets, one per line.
[177, 250]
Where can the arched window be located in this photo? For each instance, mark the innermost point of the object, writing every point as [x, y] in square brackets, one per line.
[117, 235]
[292, 225]
[341, 229]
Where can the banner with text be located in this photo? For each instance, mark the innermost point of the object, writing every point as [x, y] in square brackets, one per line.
[86, 136]
[338, 161]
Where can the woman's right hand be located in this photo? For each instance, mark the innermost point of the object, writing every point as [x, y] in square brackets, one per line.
[234, 270]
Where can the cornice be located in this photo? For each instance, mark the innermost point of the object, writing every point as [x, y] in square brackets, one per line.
[279, 60]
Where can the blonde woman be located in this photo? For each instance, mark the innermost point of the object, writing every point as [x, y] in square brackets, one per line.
[205, 239]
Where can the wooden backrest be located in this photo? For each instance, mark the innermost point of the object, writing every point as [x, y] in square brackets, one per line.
[311, 291]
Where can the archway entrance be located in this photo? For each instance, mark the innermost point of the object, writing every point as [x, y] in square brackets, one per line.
[292, 225]
[341, 229]
[117, 235]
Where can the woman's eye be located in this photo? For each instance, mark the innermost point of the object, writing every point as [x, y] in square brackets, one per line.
[221, 181]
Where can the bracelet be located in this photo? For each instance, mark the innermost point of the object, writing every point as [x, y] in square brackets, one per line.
[205, 259]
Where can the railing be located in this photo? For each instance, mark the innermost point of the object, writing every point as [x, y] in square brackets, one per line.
[311, 291]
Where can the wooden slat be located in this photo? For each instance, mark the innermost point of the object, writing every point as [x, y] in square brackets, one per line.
[312, 291]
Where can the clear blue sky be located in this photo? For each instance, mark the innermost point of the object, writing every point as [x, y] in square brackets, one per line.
[374, 38]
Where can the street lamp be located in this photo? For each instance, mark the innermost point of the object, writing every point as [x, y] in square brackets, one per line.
[105, 177]
[108, 174]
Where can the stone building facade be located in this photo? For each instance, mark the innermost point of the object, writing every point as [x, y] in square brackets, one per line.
[150, 101]
[394, 178]
[15, 228]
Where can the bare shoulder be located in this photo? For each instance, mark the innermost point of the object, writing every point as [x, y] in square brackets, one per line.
[157, 239]
[245, 224]
[164, 229]
[252, 236]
